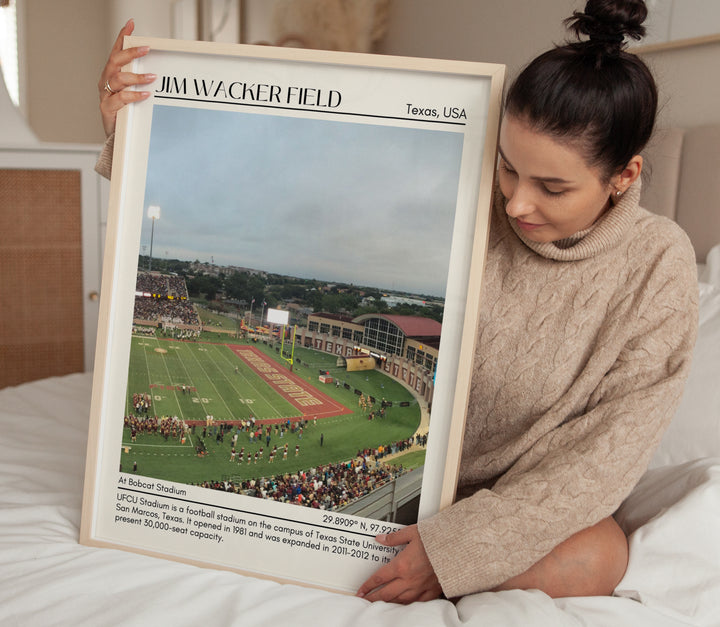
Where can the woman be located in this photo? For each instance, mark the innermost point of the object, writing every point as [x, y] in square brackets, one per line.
[588, 320]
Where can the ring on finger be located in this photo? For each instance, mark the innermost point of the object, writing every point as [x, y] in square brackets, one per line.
[109, 89]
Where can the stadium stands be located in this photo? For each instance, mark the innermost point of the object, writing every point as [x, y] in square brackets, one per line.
[327, 487]
[163, 298]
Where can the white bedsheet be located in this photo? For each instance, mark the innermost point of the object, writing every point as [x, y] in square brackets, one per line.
[47, 578]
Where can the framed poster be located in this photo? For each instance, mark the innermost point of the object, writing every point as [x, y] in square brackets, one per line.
[291, 282]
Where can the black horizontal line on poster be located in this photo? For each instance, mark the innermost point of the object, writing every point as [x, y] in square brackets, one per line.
[252, 513]
[348, 113]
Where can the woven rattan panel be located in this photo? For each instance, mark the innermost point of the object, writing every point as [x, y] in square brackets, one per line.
[41, 298]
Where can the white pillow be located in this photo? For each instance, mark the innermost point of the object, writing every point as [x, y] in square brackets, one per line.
[695, 429]
[673, 519]
[709, 272]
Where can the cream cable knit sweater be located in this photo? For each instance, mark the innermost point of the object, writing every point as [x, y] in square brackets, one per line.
[582, 352]
[104, 163]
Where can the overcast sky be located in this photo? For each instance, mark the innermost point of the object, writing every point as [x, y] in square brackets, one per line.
[326, 199]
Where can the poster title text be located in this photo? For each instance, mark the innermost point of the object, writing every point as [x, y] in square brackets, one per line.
[249, 92]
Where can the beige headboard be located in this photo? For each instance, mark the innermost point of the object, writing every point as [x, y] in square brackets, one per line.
[683, 182]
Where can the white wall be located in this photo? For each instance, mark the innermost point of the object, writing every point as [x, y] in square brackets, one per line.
[514, 31]
[511, 32]
[65, 47]
[688, 84]
[258, 21]
[68, 42]
[670, 20]
[153, 18]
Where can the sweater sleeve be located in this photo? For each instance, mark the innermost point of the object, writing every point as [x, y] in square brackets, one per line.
[578, 473]
[104, 163]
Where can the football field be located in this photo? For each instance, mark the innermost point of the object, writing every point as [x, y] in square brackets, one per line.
[193, 380]
[232, 382]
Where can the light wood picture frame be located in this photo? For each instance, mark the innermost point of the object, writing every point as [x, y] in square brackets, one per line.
[365, 174]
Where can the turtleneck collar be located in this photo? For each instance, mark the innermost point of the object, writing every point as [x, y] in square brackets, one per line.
[604, 235]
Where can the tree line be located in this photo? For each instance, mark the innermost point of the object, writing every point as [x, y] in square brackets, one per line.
[244, 289]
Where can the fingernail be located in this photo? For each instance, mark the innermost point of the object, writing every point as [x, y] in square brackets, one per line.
[150, 77]
[144, 49]
[382, 537]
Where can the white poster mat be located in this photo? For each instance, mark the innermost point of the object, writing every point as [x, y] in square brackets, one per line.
[322, 99]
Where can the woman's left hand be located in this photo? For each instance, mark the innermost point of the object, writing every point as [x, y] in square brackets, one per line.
[408, 577]
[113, 81]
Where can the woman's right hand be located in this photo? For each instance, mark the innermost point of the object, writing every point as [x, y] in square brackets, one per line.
[112, 83]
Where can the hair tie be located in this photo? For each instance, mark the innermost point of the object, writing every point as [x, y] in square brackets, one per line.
[608, 38]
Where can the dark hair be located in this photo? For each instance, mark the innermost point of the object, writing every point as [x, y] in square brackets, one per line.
[592, 91]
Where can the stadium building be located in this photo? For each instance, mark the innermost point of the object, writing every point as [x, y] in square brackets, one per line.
[404, 347]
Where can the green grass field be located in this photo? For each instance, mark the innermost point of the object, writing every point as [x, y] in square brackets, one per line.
[208, 368]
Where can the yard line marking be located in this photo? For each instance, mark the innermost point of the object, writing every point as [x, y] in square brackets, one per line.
[190, 381]
[136, 445]
[209, 379]
[170, 382]
[147, 367]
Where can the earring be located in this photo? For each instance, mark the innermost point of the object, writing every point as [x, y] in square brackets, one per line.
[618, 193]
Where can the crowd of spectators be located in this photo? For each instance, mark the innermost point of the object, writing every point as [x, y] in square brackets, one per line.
[161, 285]
[325, 487]
[165, 426]
[163, 298]
[394, 447]
[168, 311]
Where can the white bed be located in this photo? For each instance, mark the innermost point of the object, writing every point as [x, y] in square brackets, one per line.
[47, 578]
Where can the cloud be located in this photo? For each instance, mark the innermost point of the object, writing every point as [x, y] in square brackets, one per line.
[342, 201]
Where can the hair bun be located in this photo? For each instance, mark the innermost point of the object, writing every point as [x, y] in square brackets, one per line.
[609, 22]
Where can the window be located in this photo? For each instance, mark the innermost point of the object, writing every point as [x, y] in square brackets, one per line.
[9, 50]
[384, 336]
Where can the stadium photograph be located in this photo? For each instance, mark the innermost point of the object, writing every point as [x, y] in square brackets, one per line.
[232, 415]
[334, 404]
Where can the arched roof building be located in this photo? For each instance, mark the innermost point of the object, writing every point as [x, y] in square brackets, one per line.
[413, 338]
[390, 334]
[404, 347]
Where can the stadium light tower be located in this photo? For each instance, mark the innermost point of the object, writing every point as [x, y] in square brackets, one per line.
[154, 214]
